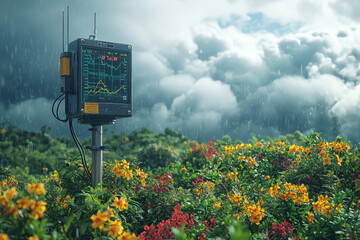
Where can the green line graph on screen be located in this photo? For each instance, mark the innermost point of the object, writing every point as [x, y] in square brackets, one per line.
[104, 76]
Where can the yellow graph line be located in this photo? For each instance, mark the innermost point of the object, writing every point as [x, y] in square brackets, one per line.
[104, 89]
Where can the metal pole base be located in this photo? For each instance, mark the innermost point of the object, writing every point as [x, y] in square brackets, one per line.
[97, 155]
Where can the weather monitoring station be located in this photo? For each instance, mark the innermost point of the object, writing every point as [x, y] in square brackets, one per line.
[97, 89]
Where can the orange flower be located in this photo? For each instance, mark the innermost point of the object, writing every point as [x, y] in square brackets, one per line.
[33, 238]
[256, 213]
[339, 161]
[10, 193]
[10, 209]
[4, 236]
[99, 219]
[287, 185]
[125, 164]
[235, 199]
[326, 161]
[311, 217]
[252, 162]
[38, 208]
[217, 204]
[37, 188]
[120, 203]
[3, 200]
[259, 145]
[25, 203]
[127, 236]
[110, 213]
[115, 228]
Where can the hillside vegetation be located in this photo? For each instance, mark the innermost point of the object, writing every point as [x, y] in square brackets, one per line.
[165, 186]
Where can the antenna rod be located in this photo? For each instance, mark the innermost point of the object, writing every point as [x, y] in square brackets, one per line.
[68, 20]
[63, 31]
[94, 25]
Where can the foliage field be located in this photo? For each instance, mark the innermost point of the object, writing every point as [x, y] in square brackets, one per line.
[163, 186]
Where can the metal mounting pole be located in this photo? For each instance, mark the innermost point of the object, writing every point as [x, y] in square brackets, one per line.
[97, 154]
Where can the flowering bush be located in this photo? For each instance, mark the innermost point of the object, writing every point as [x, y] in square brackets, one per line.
[266, 189]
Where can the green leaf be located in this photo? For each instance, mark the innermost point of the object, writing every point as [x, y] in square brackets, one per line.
[68, 222]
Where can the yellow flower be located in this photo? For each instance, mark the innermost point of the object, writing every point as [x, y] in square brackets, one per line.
[99, 219]
[120, 203]
[10, 209]
[338, 159]
[252, 162]
[205, 187]
[55, 176]
[4, 236]
[115, 228]
[128, 174]
[217, 204]
[267, 177]
[287, 185]
[127, 236]
[3, 200]
[11, 193]
[235, 199]
[326, 161]
[317, 206]
[33, 238]
[184, 169]
[311, 217]
[274, 190]
[256, 213]
[126, 139]
[125, 164]
[38, 208]
[292, 149]
[232, 176]
[37, 188]
[339, 207]
[259, 145]
[3, 131]
[25, 203]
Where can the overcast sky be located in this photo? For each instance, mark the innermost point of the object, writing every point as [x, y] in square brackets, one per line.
[203, 67]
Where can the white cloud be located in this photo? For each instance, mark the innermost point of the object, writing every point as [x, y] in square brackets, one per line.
[176, 85]
[206, 95]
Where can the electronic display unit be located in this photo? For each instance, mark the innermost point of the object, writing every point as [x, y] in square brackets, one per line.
[104, 75]
[100, 83]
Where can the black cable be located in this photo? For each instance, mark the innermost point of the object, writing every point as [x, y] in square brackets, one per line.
[52, 108]
[57, 109]
[73, 133]
[82, 153]
[80, 149]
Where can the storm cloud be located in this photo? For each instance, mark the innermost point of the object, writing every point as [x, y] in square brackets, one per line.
[205, 69]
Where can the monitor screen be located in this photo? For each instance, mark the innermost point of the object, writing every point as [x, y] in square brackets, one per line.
[105, 75]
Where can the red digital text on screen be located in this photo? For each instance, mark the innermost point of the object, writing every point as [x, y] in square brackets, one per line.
[109, 58]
